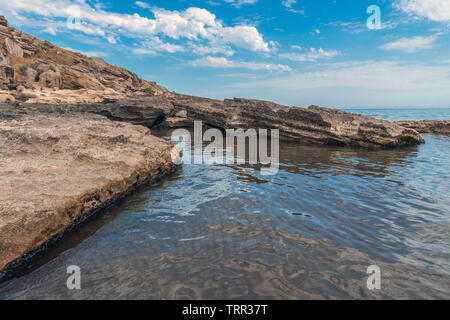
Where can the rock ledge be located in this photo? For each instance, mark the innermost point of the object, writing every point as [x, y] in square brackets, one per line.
[59, 169]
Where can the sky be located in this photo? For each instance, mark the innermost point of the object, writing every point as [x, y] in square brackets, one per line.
[332, 53]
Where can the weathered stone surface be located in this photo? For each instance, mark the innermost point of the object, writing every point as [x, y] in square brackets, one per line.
[64, 77]
[312, 125]
[428, 126]
[6, 98]
[13, 48]
[49, 66]
[56, 169]
[4, 60]
[3, 21]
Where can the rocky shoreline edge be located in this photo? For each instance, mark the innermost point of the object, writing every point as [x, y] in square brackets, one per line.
[75, 137]
[62, 164]
[440, 127]
[59, 170]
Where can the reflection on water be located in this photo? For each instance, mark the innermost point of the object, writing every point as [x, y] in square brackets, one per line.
[311, 231]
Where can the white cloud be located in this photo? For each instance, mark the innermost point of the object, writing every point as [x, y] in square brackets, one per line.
[194, 24]
[368, 74]
[245, 37]
[210, 49]
[155, 46]
[435, 10]
[240, 3]
[359, 27]
[354, 83]
[142, 5]
[410, 44]
[96, 54]
[311, 55]
[288, 3]
[222, 62]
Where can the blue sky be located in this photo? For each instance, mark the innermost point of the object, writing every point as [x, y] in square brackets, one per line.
[292, 52]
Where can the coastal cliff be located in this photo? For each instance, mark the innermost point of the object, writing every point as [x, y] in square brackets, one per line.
[37, 71]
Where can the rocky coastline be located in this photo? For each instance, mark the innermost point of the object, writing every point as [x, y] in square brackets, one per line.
[57, 170]
[75, 137]
[441, 127]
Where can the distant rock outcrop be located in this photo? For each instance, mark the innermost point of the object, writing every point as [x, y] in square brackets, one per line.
[40, 68]
[428, 126]
[313, 125]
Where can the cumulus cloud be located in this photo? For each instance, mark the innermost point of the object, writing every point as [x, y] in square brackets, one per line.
[435, 10]
[410, 44]
[193, 24]
[222, 62]
[311, 55]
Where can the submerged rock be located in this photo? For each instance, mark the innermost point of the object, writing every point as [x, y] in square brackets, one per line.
[428, 126]
[58, 169]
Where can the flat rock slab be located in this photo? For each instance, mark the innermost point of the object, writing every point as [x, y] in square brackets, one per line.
[428, 126]
[313, 125]
[58, 169]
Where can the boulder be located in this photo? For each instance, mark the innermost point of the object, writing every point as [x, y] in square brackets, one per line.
[13, 48]
[50, 79]
[6, 98]
[73, 79]
[4, 60]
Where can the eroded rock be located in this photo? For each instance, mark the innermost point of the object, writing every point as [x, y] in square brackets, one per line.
[58, 169]
[39, 64]
[313, 125]
[428, 126]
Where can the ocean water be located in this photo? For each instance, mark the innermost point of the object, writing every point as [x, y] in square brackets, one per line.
[308, 232]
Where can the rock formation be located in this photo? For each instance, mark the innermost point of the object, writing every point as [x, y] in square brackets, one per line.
[313, 125]
[74, 136]
[35, 71]
[428, 126]
[29, 65]
[58, 169]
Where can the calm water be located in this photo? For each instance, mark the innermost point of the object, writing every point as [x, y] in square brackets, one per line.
[311, 231]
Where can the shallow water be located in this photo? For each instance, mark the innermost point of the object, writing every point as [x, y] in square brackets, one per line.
[310, 231]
